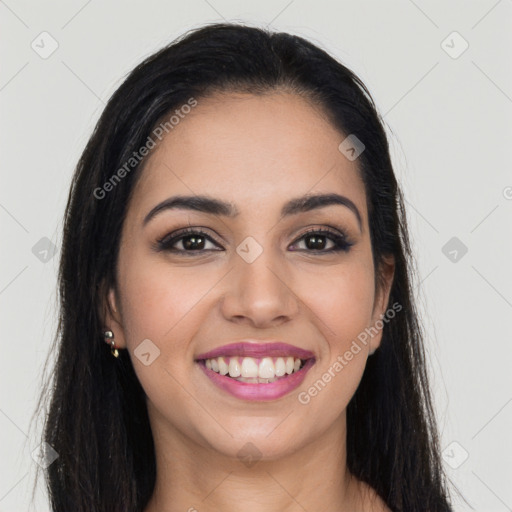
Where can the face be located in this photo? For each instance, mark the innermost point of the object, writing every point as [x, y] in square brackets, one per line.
[191, 281]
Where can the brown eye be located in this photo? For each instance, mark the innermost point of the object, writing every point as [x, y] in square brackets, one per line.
[191, 240]
[316, 241]
[319, 241]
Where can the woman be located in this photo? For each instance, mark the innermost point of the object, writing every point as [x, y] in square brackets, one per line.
[237, 323]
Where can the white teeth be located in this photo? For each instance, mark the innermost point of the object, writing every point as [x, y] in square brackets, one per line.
[234, 367]
[249, 367]
[223, 366]
[255, 380]
[266, 369]
[280, 367]
[248, 370]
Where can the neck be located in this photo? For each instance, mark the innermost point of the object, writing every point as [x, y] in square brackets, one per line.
[192, 477]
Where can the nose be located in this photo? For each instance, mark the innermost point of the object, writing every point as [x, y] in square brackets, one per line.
[259, 293]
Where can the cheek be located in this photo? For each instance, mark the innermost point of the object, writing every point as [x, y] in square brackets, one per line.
[163, 305]
[343, 300]
[343, 305]
[158, 298]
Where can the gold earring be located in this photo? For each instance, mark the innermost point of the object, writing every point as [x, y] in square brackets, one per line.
[109, 338]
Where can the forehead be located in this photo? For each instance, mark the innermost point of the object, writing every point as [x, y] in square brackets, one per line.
[250, 150]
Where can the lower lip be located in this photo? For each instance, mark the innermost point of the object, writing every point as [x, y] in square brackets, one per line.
[259, 392]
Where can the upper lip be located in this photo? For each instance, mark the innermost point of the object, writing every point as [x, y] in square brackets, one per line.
[257, 349]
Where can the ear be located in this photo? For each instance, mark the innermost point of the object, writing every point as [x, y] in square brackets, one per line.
[111, 316]
[380, 305]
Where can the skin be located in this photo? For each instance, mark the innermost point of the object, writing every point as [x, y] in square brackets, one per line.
[256, 152]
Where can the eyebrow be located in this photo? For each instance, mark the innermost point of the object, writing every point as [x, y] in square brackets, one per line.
[214, 206]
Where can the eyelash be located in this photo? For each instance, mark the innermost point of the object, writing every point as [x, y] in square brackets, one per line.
[341, 243]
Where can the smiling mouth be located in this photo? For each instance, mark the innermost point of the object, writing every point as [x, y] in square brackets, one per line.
[253, 370]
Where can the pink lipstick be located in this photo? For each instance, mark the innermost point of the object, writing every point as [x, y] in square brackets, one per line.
[256, 371]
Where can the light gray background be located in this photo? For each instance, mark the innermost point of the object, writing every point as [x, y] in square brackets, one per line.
[449, 121]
